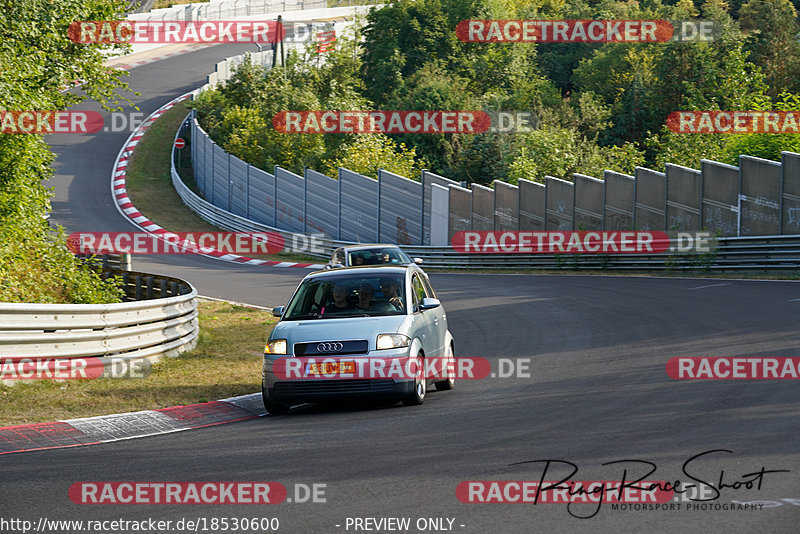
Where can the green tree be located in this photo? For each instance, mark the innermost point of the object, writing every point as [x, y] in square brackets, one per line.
[403, 37]
[765, 145]
[38, 59]
[772, 30]
[369, 153]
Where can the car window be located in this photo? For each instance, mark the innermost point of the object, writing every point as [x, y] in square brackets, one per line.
[379, 256]
[334, 297]
[418, 289]
[428, 287]
[338, 257]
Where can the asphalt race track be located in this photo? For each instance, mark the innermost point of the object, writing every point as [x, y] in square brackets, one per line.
[597, 392]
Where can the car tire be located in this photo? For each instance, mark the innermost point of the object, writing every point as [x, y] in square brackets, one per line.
[445, 385]
[417, 396]
[273, 408]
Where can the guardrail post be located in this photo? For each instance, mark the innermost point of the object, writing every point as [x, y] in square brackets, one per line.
[378, 212]
[162, 288]
[210, 194]
[275, 199]
[138, 290]
[173, 288]
[305, 200]
[149, 293]
[339, 210]
[247, 190]
[125, 287]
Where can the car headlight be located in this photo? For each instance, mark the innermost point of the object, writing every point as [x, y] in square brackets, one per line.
[392, 341]
[276, 346]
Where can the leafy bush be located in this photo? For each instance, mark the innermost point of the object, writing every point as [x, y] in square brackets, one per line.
[37, 60]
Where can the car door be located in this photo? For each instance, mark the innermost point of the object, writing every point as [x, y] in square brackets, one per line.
[423, 319]
[439, 316]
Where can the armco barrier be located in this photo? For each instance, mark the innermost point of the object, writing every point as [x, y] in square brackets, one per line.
[765, 253]
[225, 9]
[734, 253]
[135, 330]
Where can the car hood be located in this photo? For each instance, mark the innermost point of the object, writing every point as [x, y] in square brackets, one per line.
[340, 329]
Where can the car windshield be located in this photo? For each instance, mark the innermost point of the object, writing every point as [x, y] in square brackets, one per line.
[348, 296]
[379, 256]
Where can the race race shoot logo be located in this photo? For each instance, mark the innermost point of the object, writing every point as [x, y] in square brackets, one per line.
[387, 122]
[171, 32]
[734, 122]
[734, 368]
[583, 31]
[582, 242]
[241, 243]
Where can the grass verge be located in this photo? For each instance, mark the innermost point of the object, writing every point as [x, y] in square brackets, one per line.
[149, 183]
[225, 363]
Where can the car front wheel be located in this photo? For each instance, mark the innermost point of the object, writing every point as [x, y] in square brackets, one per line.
[417, 397]
[444, 385]
[273, 408]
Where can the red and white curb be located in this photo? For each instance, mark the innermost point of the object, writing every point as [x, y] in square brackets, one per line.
[129, 211]
[117, 427]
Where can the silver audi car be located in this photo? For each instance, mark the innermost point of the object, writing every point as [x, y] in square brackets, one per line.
[358, 332]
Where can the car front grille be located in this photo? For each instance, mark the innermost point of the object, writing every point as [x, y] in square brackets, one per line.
[321, 387]
[331, 348]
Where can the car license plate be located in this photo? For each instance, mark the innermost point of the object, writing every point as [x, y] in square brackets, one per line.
[331, 368]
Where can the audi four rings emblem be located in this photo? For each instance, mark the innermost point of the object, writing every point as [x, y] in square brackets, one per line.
[329, 347]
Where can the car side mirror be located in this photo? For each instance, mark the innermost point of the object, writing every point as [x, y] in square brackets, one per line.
[429, 303]
[417, 260]
[278, 311]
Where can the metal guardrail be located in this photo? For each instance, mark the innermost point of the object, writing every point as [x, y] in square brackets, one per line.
[225, 9]
[760, 253]
[222, 218]
[781, 252]
[136, 330]
[121, 262]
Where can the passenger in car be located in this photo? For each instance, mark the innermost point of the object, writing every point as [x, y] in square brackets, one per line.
[365, 294]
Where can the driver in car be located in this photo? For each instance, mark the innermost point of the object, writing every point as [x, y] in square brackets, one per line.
[389, 287]
[340, 303]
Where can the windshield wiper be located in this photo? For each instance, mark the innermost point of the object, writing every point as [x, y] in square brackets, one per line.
[306, 316]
